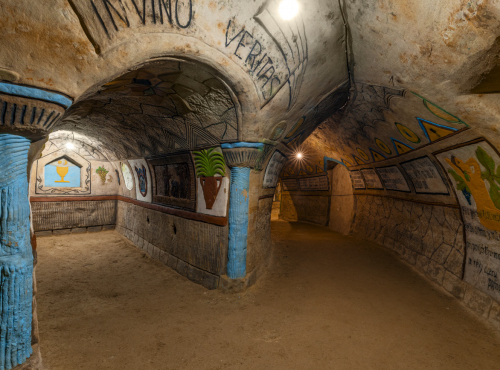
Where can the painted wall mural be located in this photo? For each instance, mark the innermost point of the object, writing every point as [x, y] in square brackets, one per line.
[357, 180]
[424, 175]
[127, 176]
[102, 172]
[474, 170]
[142, 180]
[273, 169]
[174, 181]
[393, 120]
[393, 179]
[371, 179]
[62, 173]
[210, 170]
[316, 183]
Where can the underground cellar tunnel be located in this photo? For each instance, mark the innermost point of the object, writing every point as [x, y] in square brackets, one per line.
[240, 185]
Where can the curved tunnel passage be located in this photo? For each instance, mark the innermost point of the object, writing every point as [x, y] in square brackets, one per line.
[184, 126]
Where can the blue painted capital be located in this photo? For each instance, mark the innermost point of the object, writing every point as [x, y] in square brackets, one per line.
[16, 256]
[238, 222]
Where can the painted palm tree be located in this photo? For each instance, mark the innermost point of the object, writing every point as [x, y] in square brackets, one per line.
[208, 164]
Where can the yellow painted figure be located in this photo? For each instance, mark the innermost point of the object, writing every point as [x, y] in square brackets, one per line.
[470, 174]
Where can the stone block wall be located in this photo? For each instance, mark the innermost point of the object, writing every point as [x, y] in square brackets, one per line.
[73, 216]
[195, 249]
[429, 237]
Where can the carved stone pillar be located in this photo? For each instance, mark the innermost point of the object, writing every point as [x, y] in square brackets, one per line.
[27, 114]
[241, 158]
[16, 257]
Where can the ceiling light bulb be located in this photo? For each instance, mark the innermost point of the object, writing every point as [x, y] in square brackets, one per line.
[70, 146]
[299, 155]
[288, 9]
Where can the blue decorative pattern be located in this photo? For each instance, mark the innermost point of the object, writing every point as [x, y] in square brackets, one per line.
[242, 145]
[238, 222]
[32, 92]
[16, 257]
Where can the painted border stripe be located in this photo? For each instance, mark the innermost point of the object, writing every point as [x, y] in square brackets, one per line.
[31, 92]
[242, 145]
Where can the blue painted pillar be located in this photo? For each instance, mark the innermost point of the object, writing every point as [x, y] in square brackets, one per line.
[16, 256]
[238, 222]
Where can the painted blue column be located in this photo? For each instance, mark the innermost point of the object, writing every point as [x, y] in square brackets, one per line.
[238, 222]
[16, 256]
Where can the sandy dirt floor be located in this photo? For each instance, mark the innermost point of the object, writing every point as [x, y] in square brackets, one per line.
[327, 302]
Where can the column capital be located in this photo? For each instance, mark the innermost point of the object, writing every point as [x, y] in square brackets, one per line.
[242, 154]
[28, 111]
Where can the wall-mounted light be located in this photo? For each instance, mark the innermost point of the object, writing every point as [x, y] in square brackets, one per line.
[70, 146]
[299, 155]
[288, 9]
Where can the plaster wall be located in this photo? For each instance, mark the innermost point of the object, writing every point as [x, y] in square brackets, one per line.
[305, 206]
[342, 205]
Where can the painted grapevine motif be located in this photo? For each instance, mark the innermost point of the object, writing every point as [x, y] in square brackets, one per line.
[208, 164]
[102, 172]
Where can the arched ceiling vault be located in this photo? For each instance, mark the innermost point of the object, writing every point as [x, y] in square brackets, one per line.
[157, 109]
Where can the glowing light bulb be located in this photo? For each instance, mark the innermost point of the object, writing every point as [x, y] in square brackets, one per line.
[288, 9]
[70, 146]
[299, 155]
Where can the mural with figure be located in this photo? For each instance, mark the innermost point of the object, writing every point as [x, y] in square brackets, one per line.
[62, 173]
[474, 171]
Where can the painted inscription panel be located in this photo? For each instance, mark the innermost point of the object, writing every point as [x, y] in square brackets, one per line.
[290, 185]
[393, 179]
[317, 183]
[371, 179]
[425, 176]
[357, 180]
[475, 172]
[273, 170]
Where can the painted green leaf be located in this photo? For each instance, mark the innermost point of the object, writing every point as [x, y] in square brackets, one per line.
[209, 163]
[485, 160]
[461, 185]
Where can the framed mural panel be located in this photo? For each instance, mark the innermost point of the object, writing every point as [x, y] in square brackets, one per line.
[393, 179]
[424, 175]
[372, 180]
[63, 172]
[142, 179]
[316, 183]
[290, 185]
[174, 181]
[357, 180]
[474, 170]
[273, 169]
[128, 179]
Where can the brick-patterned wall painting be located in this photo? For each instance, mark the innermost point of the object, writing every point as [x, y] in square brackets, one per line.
[68, 215]
[428, 236]
[199, 244]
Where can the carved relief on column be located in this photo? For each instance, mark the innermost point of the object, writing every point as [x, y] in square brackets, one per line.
[16, 257]
[30, 111]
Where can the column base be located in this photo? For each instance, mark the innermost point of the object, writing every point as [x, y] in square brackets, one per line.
[34, 362]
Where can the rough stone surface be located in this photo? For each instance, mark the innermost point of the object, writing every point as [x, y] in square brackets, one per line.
[477, 301]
